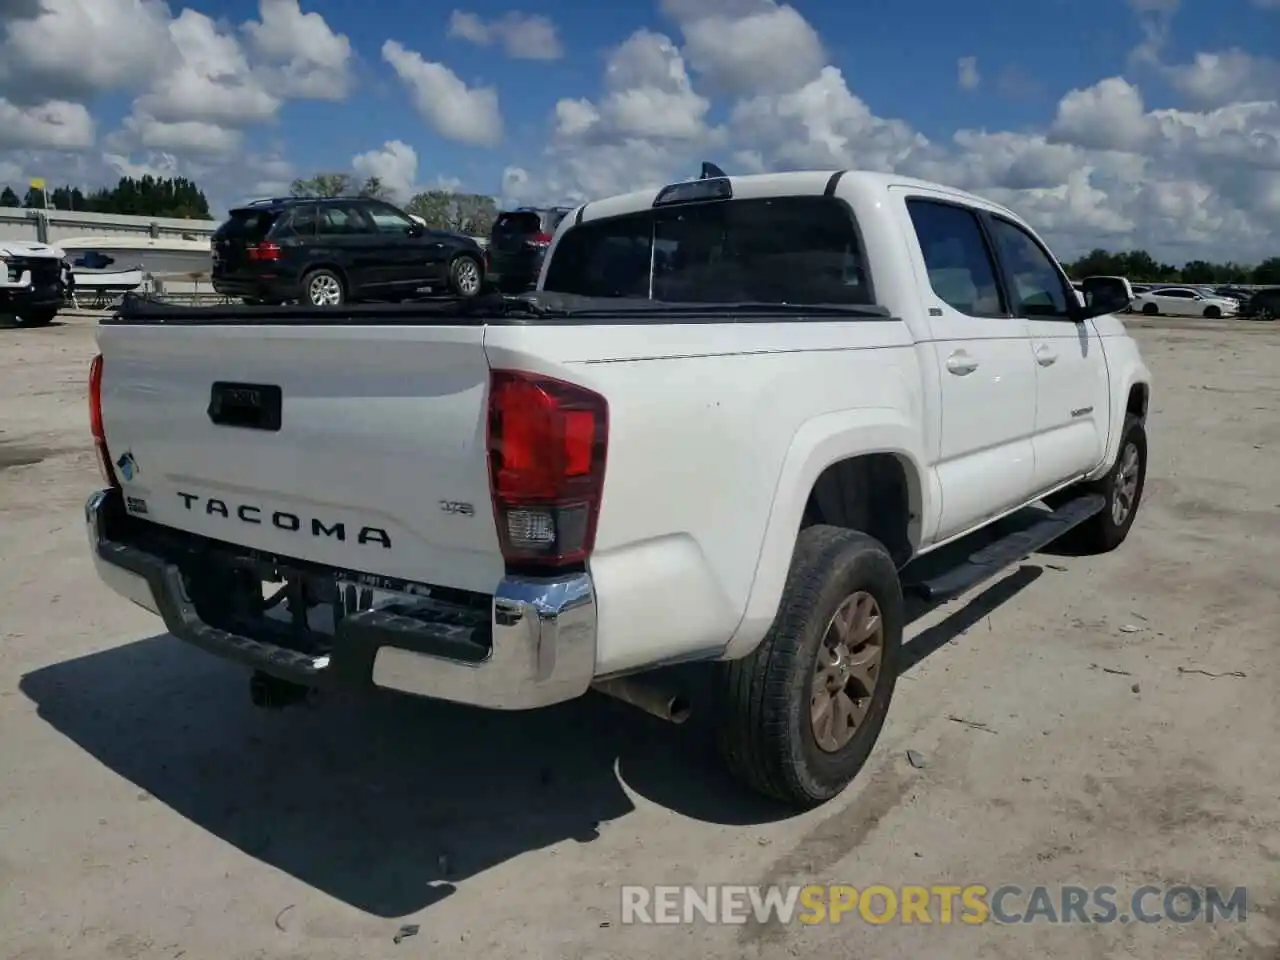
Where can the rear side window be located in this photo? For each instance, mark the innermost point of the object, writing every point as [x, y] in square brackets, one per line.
[248, 225]
[301, 222]
[961, 272]
[343, 219]
[776, 250]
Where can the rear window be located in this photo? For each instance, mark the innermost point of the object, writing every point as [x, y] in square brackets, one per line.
[522, 222]
[776, 250]
[248, 225]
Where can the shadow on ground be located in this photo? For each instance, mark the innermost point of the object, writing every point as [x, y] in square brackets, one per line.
[386, 802]
[11, 323]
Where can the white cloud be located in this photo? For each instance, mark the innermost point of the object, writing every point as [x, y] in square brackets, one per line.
[454, 110]
[744, 47]
[55, 124]
[395, 164]
[306, 57]
[208, 78]
[75, 48]
[523, 36]
[1232, 76]
[1105, 170]
[967, 73]
[647, 93]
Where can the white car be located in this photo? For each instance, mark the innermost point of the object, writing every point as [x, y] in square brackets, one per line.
[1184, 302]
[32, 281]
[729, 419]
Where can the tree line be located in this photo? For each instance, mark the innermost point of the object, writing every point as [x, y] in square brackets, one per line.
[1140, 266]
[469, 213]
[145, 196]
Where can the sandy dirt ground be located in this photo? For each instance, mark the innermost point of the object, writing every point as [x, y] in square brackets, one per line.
[1085, 721]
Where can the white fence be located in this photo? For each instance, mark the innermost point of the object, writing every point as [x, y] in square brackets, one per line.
[50, 226]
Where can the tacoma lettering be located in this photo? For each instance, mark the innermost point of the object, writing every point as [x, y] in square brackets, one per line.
[283, 520]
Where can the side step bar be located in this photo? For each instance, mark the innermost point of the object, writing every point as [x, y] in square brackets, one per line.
[1006, 551]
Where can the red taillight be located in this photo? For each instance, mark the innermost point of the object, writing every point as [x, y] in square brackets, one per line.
[547, 443]
[541, 240]
[95, 424]
[265, 252]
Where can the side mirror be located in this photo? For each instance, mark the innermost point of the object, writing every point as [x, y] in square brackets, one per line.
[415, 230]
[1102, 302]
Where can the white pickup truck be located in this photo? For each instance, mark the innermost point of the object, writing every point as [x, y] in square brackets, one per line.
[33, 281]
[733, 413]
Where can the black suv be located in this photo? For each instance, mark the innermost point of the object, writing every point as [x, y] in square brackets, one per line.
[518, 242]
[334, 250]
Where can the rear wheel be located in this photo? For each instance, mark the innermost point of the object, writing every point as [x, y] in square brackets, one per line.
[37, 317]
[324, 288]
[1150, 309]
[799, 716]
[466, 277]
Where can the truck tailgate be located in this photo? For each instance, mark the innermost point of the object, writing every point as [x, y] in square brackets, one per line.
[377, 464]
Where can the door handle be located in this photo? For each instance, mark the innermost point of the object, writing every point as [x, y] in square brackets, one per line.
[1045, 356]
[961, 364]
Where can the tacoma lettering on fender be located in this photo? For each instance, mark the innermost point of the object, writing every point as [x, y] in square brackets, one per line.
[729, 418]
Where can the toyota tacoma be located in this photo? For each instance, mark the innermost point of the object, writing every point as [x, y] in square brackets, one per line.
[730, 417]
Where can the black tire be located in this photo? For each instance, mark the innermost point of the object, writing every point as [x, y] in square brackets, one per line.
[763, 715]
[328, 280]
[1101, 533]
[1150, 309]
[466, 276]
[36, 317]
[1212, 313]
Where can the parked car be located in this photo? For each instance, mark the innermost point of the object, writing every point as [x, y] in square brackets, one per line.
[336, 250]
[1184, 302]
[518, 242]
[1263, 305]
[1239, 294]
[800, 383]
[32, 281]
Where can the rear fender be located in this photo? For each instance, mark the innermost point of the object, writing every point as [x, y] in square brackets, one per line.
[820, 442]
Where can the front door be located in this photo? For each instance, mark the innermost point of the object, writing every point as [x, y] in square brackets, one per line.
[408, 252]
[985, 461]
[1072, 392]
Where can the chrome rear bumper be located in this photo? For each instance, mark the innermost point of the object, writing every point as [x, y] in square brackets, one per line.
[541, 636]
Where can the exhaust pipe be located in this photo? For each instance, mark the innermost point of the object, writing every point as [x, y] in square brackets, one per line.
[670, 705]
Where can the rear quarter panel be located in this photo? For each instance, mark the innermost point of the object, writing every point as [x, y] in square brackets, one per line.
[716, 433]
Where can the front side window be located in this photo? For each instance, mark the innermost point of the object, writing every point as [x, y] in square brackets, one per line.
[798, 250]
[387, 219]
[1037, 285]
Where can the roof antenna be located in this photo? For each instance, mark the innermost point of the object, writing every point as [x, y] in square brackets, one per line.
[711, 172]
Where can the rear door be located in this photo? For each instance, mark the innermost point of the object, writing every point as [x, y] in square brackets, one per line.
[345, 235]
[986, 459]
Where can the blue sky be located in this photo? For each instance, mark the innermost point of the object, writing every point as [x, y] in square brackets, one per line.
[900, 57]
[1106, 122]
